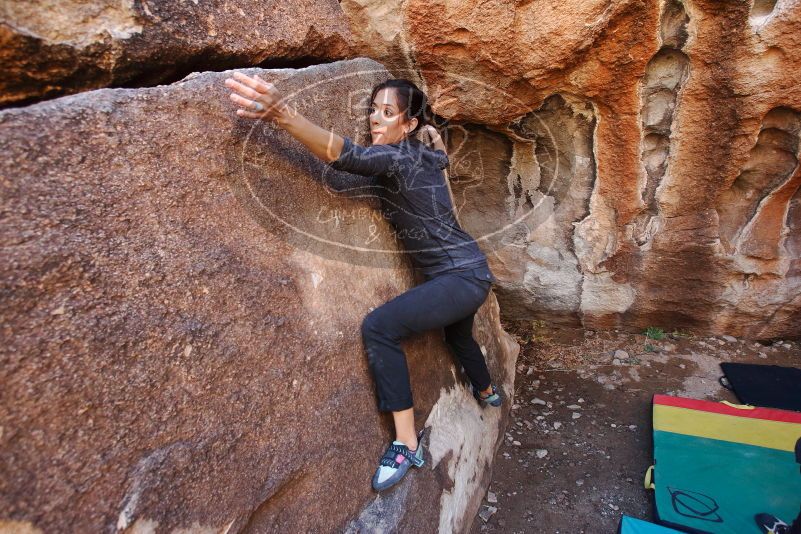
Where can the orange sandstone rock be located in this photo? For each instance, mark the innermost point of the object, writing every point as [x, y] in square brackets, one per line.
[629, 163]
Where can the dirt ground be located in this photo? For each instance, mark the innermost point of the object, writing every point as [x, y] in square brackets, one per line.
[579, 439]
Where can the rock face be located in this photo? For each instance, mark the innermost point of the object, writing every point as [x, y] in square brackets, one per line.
[54, 48]
[626, 164]
[182, 294]
[379, 32]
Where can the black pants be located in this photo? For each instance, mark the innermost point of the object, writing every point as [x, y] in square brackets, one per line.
[447, 301]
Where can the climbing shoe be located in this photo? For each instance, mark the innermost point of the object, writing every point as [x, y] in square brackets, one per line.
[396, 461]
[493, 399]
[770, 524]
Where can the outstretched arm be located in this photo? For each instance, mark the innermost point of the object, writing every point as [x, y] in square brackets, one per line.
[260, 99]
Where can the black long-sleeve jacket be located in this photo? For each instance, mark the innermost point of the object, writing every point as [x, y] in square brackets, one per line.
[407, 177]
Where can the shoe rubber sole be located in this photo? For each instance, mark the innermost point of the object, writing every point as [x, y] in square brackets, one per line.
[405, 466]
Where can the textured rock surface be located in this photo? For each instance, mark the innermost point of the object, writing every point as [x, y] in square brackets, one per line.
[181, 301]
[379, 32]
[52, 48]
[674, 200]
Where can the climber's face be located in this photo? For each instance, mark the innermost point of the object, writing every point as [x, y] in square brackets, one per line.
[388, 123]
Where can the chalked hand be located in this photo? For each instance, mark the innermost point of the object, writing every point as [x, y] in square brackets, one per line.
[430, 136]
[257, 98]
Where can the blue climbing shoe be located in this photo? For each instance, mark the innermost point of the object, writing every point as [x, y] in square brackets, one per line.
[493, 399]
[396, 461]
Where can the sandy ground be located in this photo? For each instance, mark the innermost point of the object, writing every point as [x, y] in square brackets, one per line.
[579, 439]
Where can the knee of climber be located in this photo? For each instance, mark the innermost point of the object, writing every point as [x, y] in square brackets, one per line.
[380, 323]
[380, 327]
[370, 325]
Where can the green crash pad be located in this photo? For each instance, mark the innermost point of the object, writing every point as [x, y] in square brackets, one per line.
[716, 465]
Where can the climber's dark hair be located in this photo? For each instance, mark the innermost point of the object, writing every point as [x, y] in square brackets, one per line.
[411, 100]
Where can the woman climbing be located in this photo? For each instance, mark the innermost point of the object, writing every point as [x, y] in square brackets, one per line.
[416, 199]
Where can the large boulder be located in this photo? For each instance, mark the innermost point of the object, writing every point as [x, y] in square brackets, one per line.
[50, 48]
[181, 301]
[630, 163]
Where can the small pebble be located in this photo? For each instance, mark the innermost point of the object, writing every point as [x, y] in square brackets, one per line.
[487, 512]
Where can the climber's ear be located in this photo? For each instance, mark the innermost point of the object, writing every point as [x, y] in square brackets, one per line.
[413, 123]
